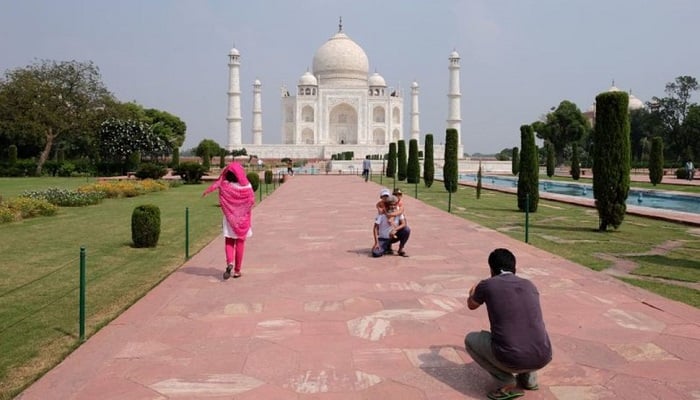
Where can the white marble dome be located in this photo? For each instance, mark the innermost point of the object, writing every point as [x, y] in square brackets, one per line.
[308, 79]
[340, 58]
[234, 52]
[635, 103]
[377, 80]
[454, 54]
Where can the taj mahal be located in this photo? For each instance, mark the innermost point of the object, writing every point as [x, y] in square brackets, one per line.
[337, 107]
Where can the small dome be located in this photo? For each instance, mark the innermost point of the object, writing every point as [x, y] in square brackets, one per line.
[256, 82]
[613, 88]
[234, 52]
[635, 103]
[414, 84]
[454, 54]
[377, 80]
[308, 79]
[340, 58]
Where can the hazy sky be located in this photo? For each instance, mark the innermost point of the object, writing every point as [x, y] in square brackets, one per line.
[518, 57]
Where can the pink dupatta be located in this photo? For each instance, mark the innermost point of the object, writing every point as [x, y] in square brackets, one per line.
[236, 199]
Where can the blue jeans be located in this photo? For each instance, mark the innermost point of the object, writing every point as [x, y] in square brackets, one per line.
[402, 236]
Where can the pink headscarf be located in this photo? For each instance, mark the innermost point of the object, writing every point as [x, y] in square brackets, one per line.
[236, 199]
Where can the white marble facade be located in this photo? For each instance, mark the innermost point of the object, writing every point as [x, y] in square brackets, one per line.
[336, 107]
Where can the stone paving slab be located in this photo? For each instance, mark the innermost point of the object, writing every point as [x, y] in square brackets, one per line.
[315, 317]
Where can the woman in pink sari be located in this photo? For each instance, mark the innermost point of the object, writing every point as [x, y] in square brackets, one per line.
[237, 199]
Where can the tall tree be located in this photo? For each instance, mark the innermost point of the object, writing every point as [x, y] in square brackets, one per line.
[515, 167]
[549, 151]
[428, 161]
[121, 139]
[575, 163]
[611, 158]
[402, 160]
[656, 160]
[50, 99]
[209, 146]
[167, 126]
[413, 166]
[564, 125]
[450, 173]
[672, 111]
[529, 180]
[391, 161]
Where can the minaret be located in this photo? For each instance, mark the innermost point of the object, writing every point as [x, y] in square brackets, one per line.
[234, 100]
[257, 113]
[454, 119]
[415, 114]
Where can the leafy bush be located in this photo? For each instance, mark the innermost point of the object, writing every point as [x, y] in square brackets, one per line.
[8, 214]
[145, 226]
[268, 176]
[115, 189]
[28, 207]
[151, 171]
[190, 172]
[254, 180]
[64, 197]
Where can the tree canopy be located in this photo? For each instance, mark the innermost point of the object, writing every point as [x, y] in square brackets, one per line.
[47, 100]
[561, 127]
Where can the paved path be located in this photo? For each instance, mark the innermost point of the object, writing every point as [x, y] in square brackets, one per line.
[314, 317]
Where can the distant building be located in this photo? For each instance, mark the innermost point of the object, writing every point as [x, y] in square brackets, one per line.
[336, 107]
[634, 104]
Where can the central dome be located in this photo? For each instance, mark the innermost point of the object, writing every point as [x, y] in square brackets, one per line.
[342, 60]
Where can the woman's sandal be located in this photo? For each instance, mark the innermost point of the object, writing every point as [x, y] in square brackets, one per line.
[505, 394]
[227, 274]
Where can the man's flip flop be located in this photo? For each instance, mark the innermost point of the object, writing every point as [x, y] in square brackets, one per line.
[504, 394]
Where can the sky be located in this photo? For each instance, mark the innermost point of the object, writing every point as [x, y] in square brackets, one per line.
[519, 58]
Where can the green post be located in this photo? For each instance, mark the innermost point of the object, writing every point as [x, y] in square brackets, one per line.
[82, 293]
[187, 233]
[527, 216]
[416, 190]
[260, 193]
[449, 201]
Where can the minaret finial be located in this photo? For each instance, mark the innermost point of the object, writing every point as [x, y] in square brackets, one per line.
[340, 24]
[613, 82]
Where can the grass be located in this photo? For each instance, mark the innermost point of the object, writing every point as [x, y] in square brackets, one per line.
[570, 231]
[39, 273]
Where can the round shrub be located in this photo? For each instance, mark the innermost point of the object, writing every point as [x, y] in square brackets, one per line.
[254, 180]
[190, 172]
[151, 171]
[268, 176]
[145, 226]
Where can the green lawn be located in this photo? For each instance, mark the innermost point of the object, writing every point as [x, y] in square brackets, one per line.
[39, 273]
[570, 231]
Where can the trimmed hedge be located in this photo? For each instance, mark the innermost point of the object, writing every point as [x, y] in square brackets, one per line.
[145, 226]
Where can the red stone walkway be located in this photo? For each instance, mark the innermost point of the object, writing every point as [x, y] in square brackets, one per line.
[314, 317]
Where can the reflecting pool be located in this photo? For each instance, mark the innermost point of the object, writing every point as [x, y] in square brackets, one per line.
[644, 198]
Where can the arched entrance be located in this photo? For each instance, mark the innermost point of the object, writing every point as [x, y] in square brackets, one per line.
[343, 125]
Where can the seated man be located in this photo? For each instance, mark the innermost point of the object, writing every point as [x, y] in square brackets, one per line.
[383, 228]
[518, 344]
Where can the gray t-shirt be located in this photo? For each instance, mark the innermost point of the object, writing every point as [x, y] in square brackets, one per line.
[519, 338]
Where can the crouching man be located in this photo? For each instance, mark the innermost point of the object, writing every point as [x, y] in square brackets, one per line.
[517, 345]
[383, 228]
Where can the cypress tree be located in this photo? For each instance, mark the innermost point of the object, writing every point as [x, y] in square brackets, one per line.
[428, 161]
[478, 182]
[222, 158]
[413, 167]
[403, 164]
[611, 158]
[656, 160]
[176, 158]
[529, 180]
[575, 163]
[206, 159]
[391, 161]
[12, 155]
[549, 150]
[515, 168]
[450, 174]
